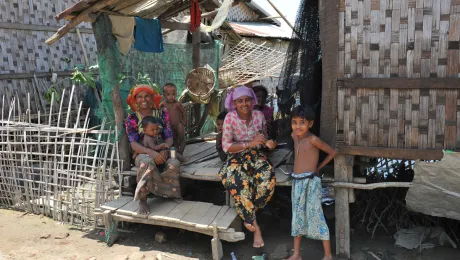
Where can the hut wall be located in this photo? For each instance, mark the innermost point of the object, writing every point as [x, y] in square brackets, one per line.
[398, 69]
[242, 13]
[24, 27]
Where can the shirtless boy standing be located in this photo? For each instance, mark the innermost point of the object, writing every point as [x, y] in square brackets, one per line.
[307, 214]
[178, 117]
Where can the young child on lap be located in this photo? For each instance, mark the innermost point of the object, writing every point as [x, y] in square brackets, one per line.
[307, 214]
[178, 117]
[152, 139]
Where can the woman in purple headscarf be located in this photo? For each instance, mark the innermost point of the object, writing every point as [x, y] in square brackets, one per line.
[247, 174]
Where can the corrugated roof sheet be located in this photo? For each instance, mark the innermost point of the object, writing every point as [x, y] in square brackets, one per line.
[261, 30]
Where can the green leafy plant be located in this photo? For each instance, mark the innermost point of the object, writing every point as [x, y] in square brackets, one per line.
[85, 78]
[48, 95]
[141, 79]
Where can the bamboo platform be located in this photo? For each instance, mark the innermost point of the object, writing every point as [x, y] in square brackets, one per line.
[204, 163]
[193, 216]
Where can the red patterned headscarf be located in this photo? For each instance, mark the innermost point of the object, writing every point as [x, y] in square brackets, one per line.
[131, 100]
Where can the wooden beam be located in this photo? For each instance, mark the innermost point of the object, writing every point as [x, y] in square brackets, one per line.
[78, 19]
[38, 27]
[175, 25]
[109, 69]
[343, 169]
[401, 83]
[81, 5]
[28, 75]
[371, 186]
[329, 36]
[393, 153]
[196, 51]
[175, 9]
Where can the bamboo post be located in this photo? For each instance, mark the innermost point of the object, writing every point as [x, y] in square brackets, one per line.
[196, 43]
[282, 15]
[109, 69]
[343, 169]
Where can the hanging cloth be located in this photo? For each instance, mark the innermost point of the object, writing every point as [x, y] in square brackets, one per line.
[220, 16]
[195, 15]
[148, 35]
[122, 29]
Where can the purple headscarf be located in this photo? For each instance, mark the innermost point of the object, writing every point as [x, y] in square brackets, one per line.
[238, 92]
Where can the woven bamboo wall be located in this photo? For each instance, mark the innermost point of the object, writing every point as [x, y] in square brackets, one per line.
[391, 40]
[399, 38]
[242, 13]
[24, 27]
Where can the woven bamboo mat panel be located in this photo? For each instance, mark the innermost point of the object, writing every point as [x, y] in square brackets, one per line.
[242, 13]
[23, 89]
[35, 12]
[25, 51]
[399, 118]
[404, 38]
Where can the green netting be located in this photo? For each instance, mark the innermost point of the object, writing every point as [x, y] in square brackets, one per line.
[170, 66]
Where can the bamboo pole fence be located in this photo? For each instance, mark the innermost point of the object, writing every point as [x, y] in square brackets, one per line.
[54, 165]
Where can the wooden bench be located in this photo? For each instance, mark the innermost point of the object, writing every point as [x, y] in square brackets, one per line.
[193, 216]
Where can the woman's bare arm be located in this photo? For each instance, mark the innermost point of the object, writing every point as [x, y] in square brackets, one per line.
[318, 143]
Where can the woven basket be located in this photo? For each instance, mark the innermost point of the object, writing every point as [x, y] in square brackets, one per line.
[200, 84]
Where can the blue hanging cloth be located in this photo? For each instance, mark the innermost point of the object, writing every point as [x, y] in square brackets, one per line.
[147, 34]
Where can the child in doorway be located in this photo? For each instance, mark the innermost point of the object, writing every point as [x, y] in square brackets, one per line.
[178, 117]
[220, 126]
[262, 94]
[307, 214]
[152, 139]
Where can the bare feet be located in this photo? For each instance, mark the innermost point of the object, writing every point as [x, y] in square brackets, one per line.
[294, 257]
[250, 227]
[258, 241]
[329, 257]
[143, 207]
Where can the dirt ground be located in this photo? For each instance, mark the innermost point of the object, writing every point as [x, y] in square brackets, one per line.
[27, 236]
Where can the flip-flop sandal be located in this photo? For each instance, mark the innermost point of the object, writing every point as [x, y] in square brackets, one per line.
[259, 257]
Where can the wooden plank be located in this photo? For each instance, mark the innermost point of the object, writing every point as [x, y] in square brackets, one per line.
[180, 211]
[128, 209]
[226, 235]
[221, 213]
[118, 203]
[197, 213]
[281, 175]
[161, 208]
[329, 26]
[209, 217]
[202, 155]
[393, 153]
[30, 75]
[402, 83]
[175, 25]
[227, 219]
[193, 149]
[38, 27]
[278, 156]
[343, 166]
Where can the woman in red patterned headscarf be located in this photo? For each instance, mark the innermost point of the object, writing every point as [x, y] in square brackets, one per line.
[145, 101]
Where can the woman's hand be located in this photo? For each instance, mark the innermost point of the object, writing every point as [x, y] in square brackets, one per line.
[157, 157]
[270, 144]
[258, 140]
